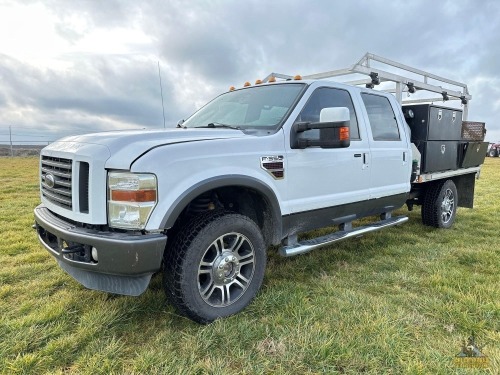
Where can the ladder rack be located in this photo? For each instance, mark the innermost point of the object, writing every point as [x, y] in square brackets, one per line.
[420, 81]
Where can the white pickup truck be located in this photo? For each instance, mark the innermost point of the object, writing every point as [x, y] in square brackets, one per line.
[257, 166]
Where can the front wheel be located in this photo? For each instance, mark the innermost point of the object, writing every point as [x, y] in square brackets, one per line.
[439, 208]
[493, 152]
[215, 266]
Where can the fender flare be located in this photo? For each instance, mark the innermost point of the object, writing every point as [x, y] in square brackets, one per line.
[201, 187]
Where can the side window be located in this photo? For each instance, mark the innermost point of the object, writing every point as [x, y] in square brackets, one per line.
[325, 97]
[382, 119]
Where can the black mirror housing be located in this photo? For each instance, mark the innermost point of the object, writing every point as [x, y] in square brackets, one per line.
[331, 135]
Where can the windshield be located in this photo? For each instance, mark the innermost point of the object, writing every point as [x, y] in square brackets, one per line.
[262, 107]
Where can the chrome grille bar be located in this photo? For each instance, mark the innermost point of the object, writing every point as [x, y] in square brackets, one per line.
[57, 198]
[56, 172]
[56, 180]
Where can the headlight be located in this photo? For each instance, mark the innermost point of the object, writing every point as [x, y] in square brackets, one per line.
[131, 199]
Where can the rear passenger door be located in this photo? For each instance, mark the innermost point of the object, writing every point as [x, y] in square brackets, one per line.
[389, 147]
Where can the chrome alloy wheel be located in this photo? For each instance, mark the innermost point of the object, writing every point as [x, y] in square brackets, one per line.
[226, 269]
[447, 206]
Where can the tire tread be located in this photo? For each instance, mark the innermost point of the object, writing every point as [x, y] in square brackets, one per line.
[431, 207]
[174, 260]
[174, 256]
[430, 211]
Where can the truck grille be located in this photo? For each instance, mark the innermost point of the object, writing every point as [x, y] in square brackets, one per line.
[56, 180]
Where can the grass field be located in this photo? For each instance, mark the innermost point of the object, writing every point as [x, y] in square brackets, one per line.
[397, 301]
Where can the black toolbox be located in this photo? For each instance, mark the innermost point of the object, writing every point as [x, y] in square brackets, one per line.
[445, 141]
[438, 155]
[472, 154]
[433, 123]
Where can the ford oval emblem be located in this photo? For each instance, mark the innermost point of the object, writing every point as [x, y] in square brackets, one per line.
[50, 181]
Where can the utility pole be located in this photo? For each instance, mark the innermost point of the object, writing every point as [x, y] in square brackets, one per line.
[10, 138]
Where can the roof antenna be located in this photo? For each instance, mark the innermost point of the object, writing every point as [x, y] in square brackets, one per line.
[161, 91]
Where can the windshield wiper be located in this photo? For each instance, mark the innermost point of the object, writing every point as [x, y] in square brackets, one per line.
[219, 125]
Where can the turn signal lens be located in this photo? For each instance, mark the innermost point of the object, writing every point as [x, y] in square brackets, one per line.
[246, 84]
[344, 133]
[231, 88]
[258, 82]
[272, 79]
[298, 77]
[133, 195]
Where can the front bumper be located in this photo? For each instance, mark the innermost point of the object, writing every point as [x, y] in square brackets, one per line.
[125, 263]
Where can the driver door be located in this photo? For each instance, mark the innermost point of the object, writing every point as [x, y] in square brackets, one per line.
[328, 179]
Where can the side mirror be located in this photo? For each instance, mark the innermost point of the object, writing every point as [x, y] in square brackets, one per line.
[180, 122]
[333, 129]
[334, 114]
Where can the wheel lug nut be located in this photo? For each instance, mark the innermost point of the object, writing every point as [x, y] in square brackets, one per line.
[227, 259]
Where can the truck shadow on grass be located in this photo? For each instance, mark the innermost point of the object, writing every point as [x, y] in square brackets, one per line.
[373, 264]
[376, 253]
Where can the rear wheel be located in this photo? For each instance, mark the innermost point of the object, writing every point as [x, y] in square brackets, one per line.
[440, 205]
[215, 266]
[493, 153]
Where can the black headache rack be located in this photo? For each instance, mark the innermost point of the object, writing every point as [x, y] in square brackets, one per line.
[444, 137]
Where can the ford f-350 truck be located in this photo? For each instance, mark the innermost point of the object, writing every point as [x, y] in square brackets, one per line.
[255, 167]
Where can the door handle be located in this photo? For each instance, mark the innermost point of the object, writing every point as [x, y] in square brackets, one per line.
[357, 155]
[365, 160]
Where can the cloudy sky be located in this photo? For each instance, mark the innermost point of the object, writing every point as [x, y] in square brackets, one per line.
[71, 67]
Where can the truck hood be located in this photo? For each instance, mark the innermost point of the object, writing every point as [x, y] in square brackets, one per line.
[126, 146]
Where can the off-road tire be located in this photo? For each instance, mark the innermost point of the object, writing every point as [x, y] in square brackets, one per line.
[183, 261]
[493, 153]
[436, 209]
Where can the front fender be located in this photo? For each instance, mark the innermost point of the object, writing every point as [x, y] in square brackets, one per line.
[222, 181]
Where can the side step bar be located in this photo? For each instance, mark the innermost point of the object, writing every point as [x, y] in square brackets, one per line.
[308, 245]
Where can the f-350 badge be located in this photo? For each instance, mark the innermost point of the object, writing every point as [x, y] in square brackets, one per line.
[273, 164]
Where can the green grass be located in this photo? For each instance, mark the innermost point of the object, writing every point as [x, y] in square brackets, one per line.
[397, 301]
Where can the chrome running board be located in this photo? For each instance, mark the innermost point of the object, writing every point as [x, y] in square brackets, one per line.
[308, 245]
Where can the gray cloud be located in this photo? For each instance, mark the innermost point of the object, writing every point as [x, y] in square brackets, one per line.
[204, 47]
[122, 89]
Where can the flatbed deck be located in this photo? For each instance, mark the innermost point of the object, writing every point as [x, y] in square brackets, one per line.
[445, 174]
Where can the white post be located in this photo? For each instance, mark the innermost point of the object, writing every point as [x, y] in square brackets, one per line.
[465, 115]
[10, 139]
[399, 93]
